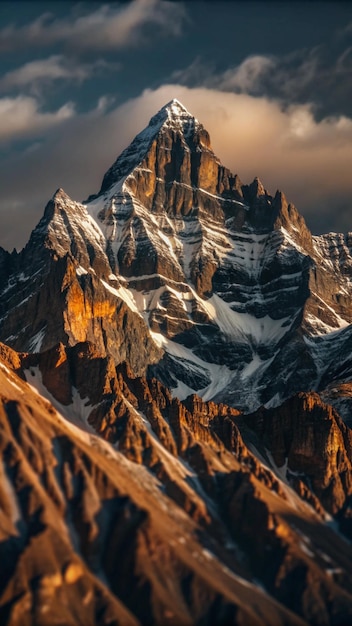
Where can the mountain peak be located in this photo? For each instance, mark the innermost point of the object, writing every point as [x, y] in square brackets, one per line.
[257, 187]
[173, 117]
[173, 113]
[60, 194]
[175, 108]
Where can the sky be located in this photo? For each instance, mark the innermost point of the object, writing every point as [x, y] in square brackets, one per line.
[270, 81]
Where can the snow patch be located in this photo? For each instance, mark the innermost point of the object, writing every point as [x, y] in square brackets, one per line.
[124, 294]
[80, 271]
[220, 375]
[262, 330]
[16, 514]
[75, 413]
[35, 343]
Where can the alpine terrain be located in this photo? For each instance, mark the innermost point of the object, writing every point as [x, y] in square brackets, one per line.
[176, 402]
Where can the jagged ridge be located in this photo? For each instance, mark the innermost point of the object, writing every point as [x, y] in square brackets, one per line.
[175, 275]
[222, 278]
[97, 519]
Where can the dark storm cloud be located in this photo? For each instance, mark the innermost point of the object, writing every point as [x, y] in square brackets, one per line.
[321, 75]
[110, 26]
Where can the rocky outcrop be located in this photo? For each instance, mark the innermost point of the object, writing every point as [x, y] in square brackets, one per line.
[309, 440]
[330, 283]
[236, 516]
[7, 265]
[81, 524]
[11, 359]
[339, 395]
[64, 292]
[280, 545]
[146, 423]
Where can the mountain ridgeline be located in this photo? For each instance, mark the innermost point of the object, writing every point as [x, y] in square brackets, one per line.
[221, 285]
[175, 401]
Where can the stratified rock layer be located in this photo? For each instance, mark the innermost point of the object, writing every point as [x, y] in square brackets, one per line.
[180, 269]
[151, 485]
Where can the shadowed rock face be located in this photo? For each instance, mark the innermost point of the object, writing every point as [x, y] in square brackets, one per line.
[310, 440]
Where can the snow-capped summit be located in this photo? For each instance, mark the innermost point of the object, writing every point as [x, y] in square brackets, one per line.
[224, 278]
[207, 256]
[173, 114]
[176, 107]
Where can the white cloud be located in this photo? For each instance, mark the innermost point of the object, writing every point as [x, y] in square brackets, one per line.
[319, 75]
[248, 75]
[108, 27]
[56, 67]
[22, 118]
[287, 149]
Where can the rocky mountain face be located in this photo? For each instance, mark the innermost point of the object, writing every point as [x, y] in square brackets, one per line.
[60, 291]
[223, 269]
[175, 401]
[161, 525]
[221, 285]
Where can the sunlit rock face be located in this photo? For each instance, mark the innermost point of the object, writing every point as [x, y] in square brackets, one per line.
[233, 286]
[62, 289]
[176, 267]
[176, 492]
[171, 443]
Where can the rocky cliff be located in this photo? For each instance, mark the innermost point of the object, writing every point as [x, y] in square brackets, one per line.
[62, 289]
[221, 284]
[175, 423]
